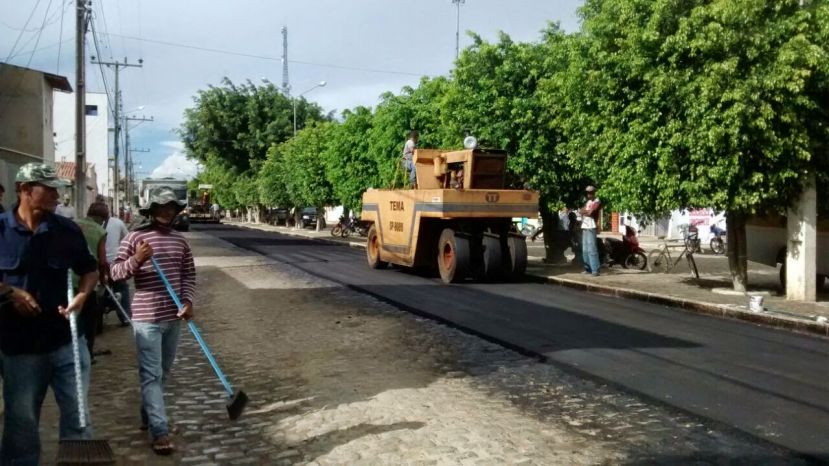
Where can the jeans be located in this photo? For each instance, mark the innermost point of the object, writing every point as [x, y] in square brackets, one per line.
[26, 377]
[124, 288]
[410, 168]
[156, 344]
[589, 250]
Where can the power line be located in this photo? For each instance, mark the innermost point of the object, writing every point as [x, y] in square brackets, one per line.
[101, 66]
[45, 47]
[28, 62]
[22, 30]
[264, 57]
[60, 37]
[40, 32]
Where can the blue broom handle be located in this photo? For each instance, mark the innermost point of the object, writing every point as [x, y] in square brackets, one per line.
[193, 329]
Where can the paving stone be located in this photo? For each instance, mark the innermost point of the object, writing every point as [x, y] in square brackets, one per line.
[389, 387]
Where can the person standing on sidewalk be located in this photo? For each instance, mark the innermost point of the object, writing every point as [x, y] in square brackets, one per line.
[37, 250]
[408, 158]
[589, 217]
[116, 232]
[156, 319]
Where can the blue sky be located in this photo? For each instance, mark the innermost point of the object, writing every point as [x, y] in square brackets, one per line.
[362, 48]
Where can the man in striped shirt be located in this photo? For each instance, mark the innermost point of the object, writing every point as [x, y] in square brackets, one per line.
[156, 319]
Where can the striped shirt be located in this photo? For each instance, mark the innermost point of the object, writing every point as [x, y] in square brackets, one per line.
[151, 302]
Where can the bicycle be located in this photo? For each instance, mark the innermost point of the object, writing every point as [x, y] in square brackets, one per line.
[661, 259]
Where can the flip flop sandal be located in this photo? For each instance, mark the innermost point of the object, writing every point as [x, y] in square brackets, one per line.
[163, 446]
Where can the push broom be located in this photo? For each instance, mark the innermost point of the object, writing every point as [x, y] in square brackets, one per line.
[118, 303]
[236, 399]
[80, 451]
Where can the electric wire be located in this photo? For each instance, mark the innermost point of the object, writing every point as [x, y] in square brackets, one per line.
[101, 66]
[265, 57]
[22, 30]
[28, 62]
[40, 32]
[45, 47]
[60, 37]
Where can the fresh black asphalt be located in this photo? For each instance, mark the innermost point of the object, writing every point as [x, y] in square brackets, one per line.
[770, 384]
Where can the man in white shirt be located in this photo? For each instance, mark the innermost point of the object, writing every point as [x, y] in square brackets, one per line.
[408, 157]
[66, 209]
[589, 248]
[116, 231]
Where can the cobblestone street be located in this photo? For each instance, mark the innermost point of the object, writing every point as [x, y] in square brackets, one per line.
[336, 377]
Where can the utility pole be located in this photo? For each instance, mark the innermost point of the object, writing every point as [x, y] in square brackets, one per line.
[133, 192]
[286, 86]
[118, 65]
[80, 107]
[458, 4]
[128, 175]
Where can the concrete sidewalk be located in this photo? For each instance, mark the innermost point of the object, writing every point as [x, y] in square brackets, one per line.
[710, 294]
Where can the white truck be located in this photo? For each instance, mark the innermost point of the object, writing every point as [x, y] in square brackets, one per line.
[149, 186]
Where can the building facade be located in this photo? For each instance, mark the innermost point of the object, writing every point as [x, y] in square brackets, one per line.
[26, 120]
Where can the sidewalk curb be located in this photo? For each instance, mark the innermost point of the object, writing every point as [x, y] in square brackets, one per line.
[733, 312]
[718, 310]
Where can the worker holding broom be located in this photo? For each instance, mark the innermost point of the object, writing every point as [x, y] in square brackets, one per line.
[37, 248]
[155, 317]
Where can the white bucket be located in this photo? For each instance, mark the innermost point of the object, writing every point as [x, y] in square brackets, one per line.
[755, 303]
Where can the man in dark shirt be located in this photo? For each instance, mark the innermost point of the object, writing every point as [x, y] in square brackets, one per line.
[37, 249]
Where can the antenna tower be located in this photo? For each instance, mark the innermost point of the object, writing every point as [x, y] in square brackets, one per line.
[286, 87]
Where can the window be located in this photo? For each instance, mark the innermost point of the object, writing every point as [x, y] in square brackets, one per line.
[92, 110]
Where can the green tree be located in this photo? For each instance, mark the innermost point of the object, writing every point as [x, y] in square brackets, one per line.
[348, 166]
[507, 94]
[705, 103]
[301, 162]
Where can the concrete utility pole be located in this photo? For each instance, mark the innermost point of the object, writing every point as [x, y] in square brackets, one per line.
[458, 4]
[118, 65]
[286, 86]
[80, 108]
[128, 175]
[132, 191]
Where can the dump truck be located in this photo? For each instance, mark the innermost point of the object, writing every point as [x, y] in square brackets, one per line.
[458, 219]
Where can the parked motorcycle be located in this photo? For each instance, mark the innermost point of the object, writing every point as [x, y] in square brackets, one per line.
[718, 245]
[625, 252]
[346, 227]
[355, 225]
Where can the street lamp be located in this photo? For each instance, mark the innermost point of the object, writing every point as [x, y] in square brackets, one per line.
[320, 84]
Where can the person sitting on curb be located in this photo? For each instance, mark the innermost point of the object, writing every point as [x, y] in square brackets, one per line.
[156, 320]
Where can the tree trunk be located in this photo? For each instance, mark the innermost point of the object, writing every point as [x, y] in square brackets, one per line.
[555, 243]
[320, 218]
[737, 262]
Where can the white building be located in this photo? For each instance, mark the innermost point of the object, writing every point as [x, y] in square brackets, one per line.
[97, 134]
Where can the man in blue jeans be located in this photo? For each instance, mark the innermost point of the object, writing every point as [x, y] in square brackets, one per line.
[37, 249]
[156, 320]
[589, 219]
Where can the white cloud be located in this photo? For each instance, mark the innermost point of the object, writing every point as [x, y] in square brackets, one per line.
[176, 145]
[176, 166]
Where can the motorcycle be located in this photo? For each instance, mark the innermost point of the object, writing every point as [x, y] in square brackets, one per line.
[625, 252]
[346, 227]
[717, 243]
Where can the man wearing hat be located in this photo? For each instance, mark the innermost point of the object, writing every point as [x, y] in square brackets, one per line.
[37, 250]
[589, 218]
[156, 319]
